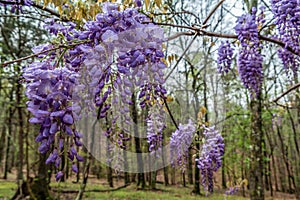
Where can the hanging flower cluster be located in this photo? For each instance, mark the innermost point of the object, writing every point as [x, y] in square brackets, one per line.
[249, 57]
[98, 69]
[210, 159]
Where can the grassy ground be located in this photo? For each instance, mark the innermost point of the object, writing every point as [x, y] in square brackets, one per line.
[167, 193]
[8, 188]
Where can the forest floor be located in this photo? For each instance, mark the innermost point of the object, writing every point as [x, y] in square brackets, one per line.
[98, 189]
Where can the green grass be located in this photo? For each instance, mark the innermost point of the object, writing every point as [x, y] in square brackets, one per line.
[179, 194]
[8, 188]
[131, 193]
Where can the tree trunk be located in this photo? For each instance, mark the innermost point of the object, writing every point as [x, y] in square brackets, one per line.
[183, 180]
[275, 173]
[21, 135]
[9, 135]
[108, 168]
[256, 184]
[190, 167]
[295, 150]
[153, 180]
[166, 173]
[197, 171]
[141, 177]
[39, 189]
[285, 158]
[224, 186]
[2, 143]
[173, 177]
[126, 174]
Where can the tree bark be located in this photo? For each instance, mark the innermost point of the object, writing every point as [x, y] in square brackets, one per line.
[9, 135]
[190, 167]
[166, 171]
[39, 189]
[256, 184]
[21, 134]
[141, 176]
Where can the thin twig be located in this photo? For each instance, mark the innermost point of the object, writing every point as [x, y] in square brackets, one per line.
[180, 34]
[220, 35]
[280, 43]
[176, 13]
[212, 12]
[177, 26]
[286, 92]
[52, 12]
[41, 7]
[169, 111]
[30, 56]
[42, 52]
[184, 52]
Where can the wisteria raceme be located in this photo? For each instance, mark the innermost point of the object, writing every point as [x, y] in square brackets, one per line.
[49, 90]
[107, 61]
[225, 54]
[139, 56]
[116, 144]
[54, 28]
[210, 159]
[250, 69]
[287, 20]
[180, 142]
[155, 126]
[250, 58]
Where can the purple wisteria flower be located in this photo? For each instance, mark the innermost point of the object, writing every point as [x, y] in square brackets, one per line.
[138, 3]
[210, 159]
[287, 20]
[250, 58]
[180, 142]
[225, 54]
[155, 126]
[59, 175]
[107, 61]
[50, 91]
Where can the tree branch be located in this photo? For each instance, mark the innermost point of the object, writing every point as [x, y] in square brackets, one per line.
[180, 34]
[220, 35]
[212, 12]
[169, 111]
[42, 52]
[41, 7]
[286, 92]
[184, 52]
